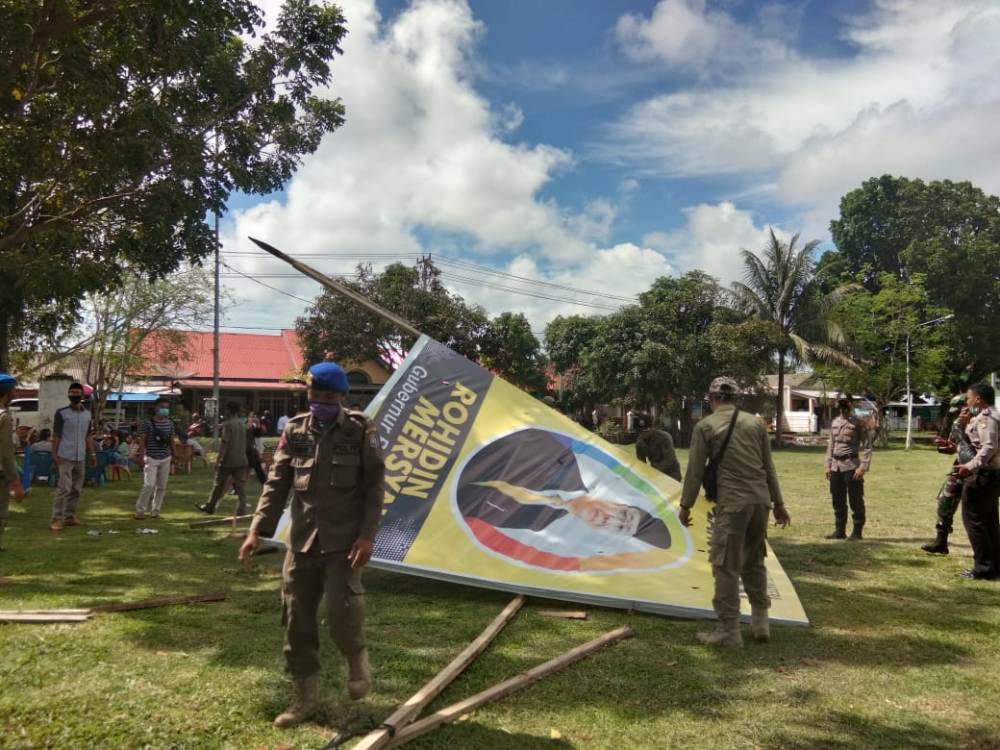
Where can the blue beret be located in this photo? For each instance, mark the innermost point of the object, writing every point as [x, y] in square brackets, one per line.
[7, 382]
[328, 376]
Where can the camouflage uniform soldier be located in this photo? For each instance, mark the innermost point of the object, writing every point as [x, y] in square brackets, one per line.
[657, 447]
[950, 496]
[848, 457]
[10, 480]
[331, 461]
[747, 489]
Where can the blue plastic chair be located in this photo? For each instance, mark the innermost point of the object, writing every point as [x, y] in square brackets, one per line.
[95, 474]
[42, 468]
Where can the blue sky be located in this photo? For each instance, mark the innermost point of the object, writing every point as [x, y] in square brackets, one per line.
[586, 147]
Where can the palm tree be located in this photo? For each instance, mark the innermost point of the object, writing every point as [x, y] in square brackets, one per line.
[780, 287]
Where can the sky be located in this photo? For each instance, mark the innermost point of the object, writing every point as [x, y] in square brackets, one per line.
[556, 157]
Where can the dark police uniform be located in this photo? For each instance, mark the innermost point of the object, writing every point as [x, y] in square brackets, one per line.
[849, 447]
[657, 447]
[334, 473]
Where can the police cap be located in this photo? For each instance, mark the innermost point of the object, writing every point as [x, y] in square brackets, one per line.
[7, 383]
[328, 376]
[724, 386]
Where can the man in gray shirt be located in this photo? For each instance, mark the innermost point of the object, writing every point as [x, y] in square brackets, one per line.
[231, 463]
[71, 445]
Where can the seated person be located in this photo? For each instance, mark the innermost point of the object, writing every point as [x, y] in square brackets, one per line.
[44, 442]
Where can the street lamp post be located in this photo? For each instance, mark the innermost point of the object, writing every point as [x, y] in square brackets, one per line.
[909, 393]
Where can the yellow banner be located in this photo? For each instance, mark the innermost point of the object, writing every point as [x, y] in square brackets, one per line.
[488, 486]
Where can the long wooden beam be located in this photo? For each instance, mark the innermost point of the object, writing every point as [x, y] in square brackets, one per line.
[523, 680]
[339, 288]
[403, 715]
[165, 601]
[219, 521]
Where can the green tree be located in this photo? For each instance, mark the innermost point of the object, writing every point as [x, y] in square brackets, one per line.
[123, 124]
[949, 232]
[780, 289]
[567, 339]
[878, 326]
[334, 326]
[509, 348]
[140, 325]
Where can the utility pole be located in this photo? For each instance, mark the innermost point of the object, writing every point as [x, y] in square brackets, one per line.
[215, 328]
[909, 393]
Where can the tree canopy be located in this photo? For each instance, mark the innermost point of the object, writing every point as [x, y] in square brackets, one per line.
[947, 232]
[123, 124]
[336, 326]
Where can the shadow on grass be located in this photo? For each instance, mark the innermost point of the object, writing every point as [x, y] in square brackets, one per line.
[843, 729]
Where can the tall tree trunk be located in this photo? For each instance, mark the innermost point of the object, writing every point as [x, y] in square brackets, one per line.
[780, 410]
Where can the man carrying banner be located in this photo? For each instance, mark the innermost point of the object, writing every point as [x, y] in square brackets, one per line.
[331, 460]
[747, 489]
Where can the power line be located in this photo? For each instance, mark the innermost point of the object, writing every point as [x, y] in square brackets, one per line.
[564, 287]
[526, 293]
[467, 265]
[272, 288]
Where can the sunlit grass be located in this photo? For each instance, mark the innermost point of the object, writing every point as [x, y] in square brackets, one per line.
[902, 652]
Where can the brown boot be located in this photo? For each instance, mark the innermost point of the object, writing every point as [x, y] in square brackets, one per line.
[760, 627]
[359, 681]
[727, 633]
[305, 702]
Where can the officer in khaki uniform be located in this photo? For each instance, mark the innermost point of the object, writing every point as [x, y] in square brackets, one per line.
[848, 457]
[657, 447]
[10, 480]
[981, 483]
[747, 491]
[331, 463]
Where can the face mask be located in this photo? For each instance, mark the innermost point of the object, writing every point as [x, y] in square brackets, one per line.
[324, 412]
[974, 410]
[860, 414]
[75, 399]
[163, 412]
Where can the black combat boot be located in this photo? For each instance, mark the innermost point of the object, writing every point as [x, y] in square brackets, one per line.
[855, 534]
[837, 533]
[939, 546]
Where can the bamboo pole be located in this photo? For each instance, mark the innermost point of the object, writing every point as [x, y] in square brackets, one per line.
[382, 736]
[166, 601]
[219, 521]
[339, 288]
[503, 689]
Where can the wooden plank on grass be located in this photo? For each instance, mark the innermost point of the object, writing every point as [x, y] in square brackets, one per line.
[565, 614]
[521, 681]
[403, 715]
[51, 611]
[219, 521]
[166, 601]
[38, 618]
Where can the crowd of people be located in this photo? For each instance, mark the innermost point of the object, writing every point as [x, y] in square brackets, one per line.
[78, 451]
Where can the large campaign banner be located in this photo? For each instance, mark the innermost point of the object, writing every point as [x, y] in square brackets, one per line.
[488, 486]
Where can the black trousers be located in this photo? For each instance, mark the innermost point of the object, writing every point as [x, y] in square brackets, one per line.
[982, 522]
[844, 487]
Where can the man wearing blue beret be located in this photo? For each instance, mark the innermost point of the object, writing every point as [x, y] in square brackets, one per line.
[330, 461]
[9, 479]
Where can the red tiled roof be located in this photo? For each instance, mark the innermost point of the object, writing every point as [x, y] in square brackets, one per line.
[257, 385]
[241, 356]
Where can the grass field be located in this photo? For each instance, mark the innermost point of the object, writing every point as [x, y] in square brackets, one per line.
[902, 652]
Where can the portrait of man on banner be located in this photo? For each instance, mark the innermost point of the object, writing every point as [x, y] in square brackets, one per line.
[550, 501]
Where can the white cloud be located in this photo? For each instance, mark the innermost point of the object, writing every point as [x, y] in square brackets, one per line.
[423, 162]
[920, 97]
[711, 239]
[687, 34]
